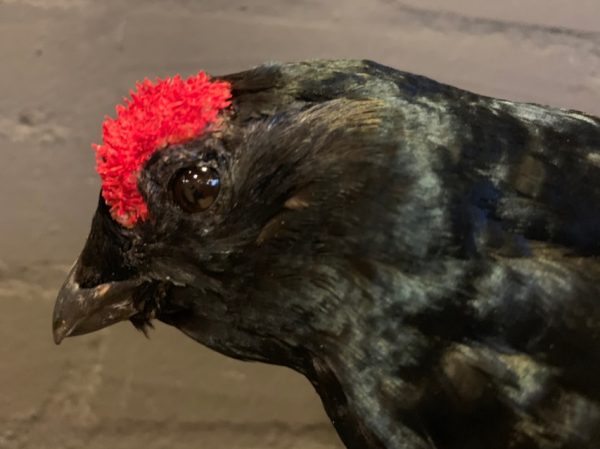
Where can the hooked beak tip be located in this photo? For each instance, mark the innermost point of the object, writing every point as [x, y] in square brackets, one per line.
[81, 310]
[60, 331]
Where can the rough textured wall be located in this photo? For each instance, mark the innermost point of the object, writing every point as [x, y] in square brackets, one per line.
[65, 63]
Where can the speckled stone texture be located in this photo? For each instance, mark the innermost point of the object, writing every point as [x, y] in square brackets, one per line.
[65, 63]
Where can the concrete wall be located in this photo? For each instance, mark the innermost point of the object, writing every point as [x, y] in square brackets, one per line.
[65, 63]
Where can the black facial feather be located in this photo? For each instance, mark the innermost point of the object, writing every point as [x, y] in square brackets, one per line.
[427, 257]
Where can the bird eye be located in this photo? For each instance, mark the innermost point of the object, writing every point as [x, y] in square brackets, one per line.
[195, 189]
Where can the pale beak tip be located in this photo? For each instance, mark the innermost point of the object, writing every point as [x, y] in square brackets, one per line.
[60, 331]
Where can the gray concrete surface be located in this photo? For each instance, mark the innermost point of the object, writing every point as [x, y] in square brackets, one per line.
[65, 63]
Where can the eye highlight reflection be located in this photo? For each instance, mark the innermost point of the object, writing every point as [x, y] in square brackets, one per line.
[195, 189]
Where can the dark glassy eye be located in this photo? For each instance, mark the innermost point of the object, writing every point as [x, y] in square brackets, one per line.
[196, 188]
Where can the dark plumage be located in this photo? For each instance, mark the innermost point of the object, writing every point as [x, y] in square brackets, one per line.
[426, 256]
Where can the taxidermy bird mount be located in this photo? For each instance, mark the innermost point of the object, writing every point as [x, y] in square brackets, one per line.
[427, 257]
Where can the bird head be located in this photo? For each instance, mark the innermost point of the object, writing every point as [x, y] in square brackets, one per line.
[399, 242]
[233, 209]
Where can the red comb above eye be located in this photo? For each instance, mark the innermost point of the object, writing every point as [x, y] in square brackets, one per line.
[169, 111]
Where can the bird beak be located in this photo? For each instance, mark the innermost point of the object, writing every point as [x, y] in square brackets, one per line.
[82, 310]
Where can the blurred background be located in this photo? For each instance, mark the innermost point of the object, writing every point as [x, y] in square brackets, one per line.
[66, 63]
